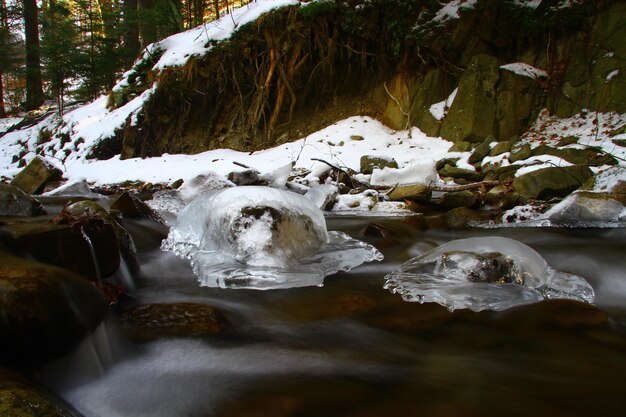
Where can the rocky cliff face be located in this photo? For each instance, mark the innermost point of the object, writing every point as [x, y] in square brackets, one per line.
[482, 68]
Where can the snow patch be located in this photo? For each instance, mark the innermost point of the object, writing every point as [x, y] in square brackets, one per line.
[525, 70]
[440, 110]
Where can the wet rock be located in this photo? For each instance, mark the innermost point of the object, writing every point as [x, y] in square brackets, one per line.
[152, 321]
[35, 176]
[501, 197]
[463, 218]
[587, 207]
[65, 245]
[21, 397]
[521, 153]
[86, 210]
[551, 182]
[414, 192]
[370, 162]
[45, 311]
[14, 202]
[247, 177]
[132, 207]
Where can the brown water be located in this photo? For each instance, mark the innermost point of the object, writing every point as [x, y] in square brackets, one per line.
[351, 348]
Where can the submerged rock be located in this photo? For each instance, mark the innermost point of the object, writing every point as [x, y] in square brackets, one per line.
[260, 237]
[488, 273]
[44, 311]
[14, 202]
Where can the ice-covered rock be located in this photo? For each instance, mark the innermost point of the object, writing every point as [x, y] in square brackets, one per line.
[260, 237]
[485, 273]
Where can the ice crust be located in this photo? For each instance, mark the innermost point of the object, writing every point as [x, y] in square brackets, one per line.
[484, 273]
[261, 238]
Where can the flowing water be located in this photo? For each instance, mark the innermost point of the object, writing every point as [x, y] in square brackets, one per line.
[351, 348]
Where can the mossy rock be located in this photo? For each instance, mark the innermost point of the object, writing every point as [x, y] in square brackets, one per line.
[152, 321]
[413, 192]
[461, 146]
[35, 176]
[551, 182]
[500, 148]
[455, 199]
[15, 202]
[481, 151]
[132, 207]
[460, 173]
[463, 218]
[502, 173]
[620, 142]
[521, 153]
[371, 162]
[21, 397]
[577, 156]
[45, 311]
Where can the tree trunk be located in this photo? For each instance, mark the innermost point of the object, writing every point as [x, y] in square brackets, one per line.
[3, 112]
[131, 31]
[34, 89]
[216, 6]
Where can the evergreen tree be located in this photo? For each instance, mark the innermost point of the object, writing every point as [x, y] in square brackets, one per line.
[58, 45]
[34, 84]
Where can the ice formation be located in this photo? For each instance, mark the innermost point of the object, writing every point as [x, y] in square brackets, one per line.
[484, 273]
[262, 238]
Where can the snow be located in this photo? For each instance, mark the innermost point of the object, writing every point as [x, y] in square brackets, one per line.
[439, 110]
[532, 4]
[611, 75]
[180, 47]
[6, 123]
[450, 11]
[535, 163]
[414, 172]
[525, 70]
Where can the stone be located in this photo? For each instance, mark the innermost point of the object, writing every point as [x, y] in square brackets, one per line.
[414, 192]
[521, 153]
[85, 210]
[21, 397]
[15, 202]
[500, 148]
[371, 162]
[462, 218]
[518, 100]
[461, 146]
[551, 182]
[246, 177]
[473, 112]
[576, 156]
[481, 151]
[152, 321]
[35, 176]
[460, 173]
[65, 245]
[503, 173]
[454, 199]
[588, 207]
[44, 311]
[132, 207]
[323, 196]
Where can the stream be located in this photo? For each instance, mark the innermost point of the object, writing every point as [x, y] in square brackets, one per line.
[352, 348]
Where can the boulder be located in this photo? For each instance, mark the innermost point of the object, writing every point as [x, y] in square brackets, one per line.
[521, 153]
[454, 199]
[21, 397]
[44, 311]
[473, 112]
[35, 176]
[460, 173]
[85, 210]
[132, 207]
[481, 151]
[502, 173]
[551, 182]
[152, 321]
[246, 177]
[15, 202]
[414, 192]
[463, 217]
[576, 156]
[500, 148]
[70, 245]
[583, 207]
[461, 146]
[323, 196]
[518, 100]
[371, 162]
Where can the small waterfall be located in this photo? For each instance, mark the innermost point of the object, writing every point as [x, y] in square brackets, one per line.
[93, 257]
